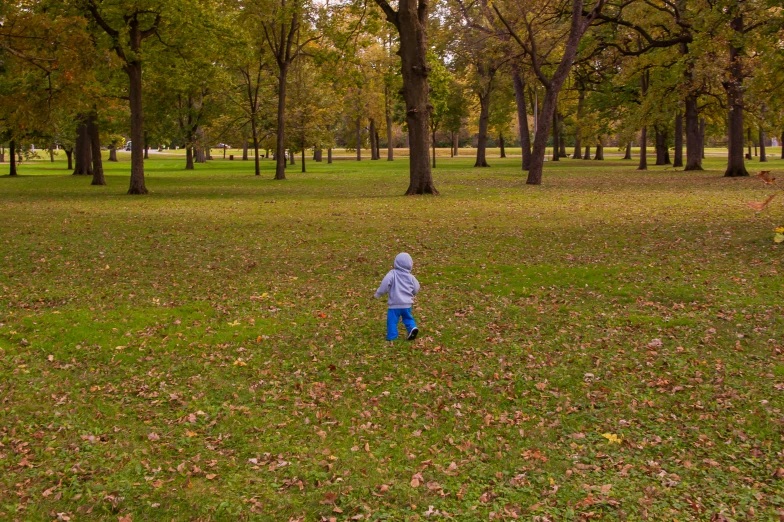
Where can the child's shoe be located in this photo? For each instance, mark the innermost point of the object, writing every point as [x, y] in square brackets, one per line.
[412, 334]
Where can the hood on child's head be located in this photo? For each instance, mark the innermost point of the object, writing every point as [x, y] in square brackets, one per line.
[404, 262]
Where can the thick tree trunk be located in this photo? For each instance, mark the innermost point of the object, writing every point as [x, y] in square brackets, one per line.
[556, 156]
[12, 155]
[146, 146]
[587, 154]
[522, 116]
[456, 142]
[329, 155]
[189, 157]
[451, 144]
[134, 71]
[678, 141]
[501, 143]
[643, 165]
[734, 89]
[599, 150]
[69, 157]
[83, 148]
[481, 139]
[280, 146]
[628, 154]
[411, 20]
[113, 153]
[244, 150]
[317, 155]
[693, 137]
[51, 153]
[95, 146]
[660, 146]
[292, 161]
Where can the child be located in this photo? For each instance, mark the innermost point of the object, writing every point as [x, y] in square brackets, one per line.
[401, 287]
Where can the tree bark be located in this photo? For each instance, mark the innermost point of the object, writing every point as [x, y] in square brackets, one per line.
[373, 142]
[280, 146]
[456, 142]
[329, 155]
[2, 154]
[643, 165]
[359, 138]
[411, 20]
[69, 156]
[734, 88]
[134, 71]
[501, 142]
[678, 140]
[12, 154]
[83, 148]
[433, 141]
[484, 118]
[189, 157]
[599, 150]
[303, 159]
[146, 146]
[693, 137]
[317, 155]
[628, 154]
[587, 154]
[51, 153]
[292, 161]
[556, 156]
[244, 150]
[113, 153]
[388, 117]
[661, 146]
[522, 116]
[95, 146]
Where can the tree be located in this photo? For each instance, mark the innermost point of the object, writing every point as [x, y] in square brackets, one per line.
[410, 20]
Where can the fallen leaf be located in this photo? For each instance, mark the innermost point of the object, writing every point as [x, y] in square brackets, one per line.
[153, 436]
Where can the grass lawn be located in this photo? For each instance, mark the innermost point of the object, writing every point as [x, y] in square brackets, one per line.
[609, 345]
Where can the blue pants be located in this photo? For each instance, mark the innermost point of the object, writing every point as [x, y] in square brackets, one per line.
[393, 316]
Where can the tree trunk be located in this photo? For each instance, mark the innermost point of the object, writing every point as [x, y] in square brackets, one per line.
[762, 156]
[2, 154]
[292, 161]
[69, 156]
[599, 150]
[660, 145]
[693, 137]
[577, 145]
[587, 154]
[451, 144]
[255, 136]
[95, 146]
[456, 142]
[702, 138]
[481, 142]
[388, 116]
[188, 157]
[303, 159]
[146, 146]
[51, 153]
[12, 155]
[83, 148]
[244, 150]
[113, 153]
[411, 20]
[359, 138]
[643, 149]
[678, 141]
[522, 116]
[280, 146]
[373, 143]
[628, 154]
[501, 142]
[556, 156]
[433, 141]
[734, 89]
[561, 138]
[134, 71]
[378, 146]
[317, 155]
[329, 155]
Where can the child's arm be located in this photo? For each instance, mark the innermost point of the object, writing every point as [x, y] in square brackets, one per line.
[416, 285]
[386, 283]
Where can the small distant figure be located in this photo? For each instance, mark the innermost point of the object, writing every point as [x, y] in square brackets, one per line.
[401, 287]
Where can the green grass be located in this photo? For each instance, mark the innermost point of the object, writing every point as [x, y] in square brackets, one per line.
[211, 351]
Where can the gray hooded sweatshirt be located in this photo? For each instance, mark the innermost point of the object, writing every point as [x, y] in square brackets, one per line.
[399, 283]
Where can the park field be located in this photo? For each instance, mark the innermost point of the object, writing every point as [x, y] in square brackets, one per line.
[606, 346]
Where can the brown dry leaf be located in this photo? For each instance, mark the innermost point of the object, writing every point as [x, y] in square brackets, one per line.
[606, 488]
[329, 498]
[766, 178]
[153, 436]
[125, 518]
[760, 206]
[210, 476]
[416, 480]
